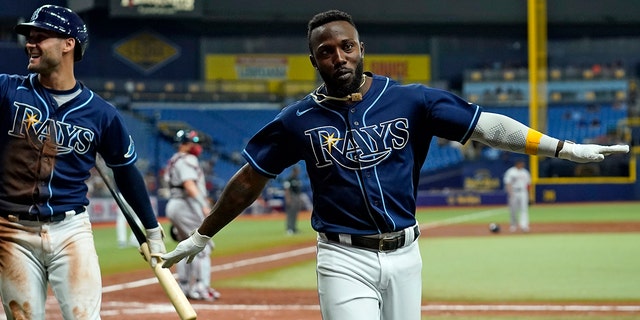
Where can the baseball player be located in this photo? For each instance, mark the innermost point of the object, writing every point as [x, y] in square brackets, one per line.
[52, 128]
[186, 208]
[364, 138]
[292, 199]
[516, 182]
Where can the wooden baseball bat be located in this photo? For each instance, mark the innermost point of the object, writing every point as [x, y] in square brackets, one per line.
[171, 288]
[165, 277]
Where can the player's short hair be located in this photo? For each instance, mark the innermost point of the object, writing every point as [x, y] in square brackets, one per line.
[323, 18]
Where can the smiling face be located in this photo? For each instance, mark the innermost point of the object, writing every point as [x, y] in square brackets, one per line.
[337, 53]
[45, 50]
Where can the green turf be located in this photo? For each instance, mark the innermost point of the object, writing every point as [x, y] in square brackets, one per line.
[583, 212]
[554, 268]
[246, 235]
[591, 316]
[557, 267]
[581, 267]
[303, 275]
[241, 236]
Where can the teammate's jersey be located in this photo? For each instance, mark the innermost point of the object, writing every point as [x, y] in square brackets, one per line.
[363, 160]
[46, 145]
[180, 168]
[518, 178]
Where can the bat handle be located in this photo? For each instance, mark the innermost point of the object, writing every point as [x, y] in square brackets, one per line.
[171, 288]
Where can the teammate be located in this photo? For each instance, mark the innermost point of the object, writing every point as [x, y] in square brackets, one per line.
[52, 128]
[516, 182]
[364, 139]
[187, 207]
[292, 199]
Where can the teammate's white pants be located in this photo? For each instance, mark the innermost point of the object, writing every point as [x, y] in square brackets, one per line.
[35, 254]
[358, 284]
[519, 209]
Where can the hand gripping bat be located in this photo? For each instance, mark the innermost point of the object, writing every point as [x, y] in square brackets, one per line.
[165, 278]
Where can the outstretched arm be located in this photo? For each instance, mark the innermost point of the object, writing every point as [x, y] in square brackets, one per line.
[241, 191]
[504, 133]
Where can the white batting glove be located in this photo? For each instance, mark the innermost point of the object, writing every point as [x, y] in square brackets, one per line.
[189, 247]
[156, 244]
[584, 153]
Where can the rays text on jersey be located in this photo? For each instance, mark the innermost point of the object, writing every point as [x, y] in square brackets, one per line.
[358, 148]
[29, 122]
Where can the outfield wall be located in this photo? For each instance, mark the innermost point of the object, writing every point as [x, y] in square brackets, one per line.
[480, 183]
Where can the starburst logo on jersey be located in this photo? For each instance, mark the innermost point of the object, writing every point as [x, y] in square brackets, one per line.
[31, 120]
[360, 148]
[28, 123]
[330, 141]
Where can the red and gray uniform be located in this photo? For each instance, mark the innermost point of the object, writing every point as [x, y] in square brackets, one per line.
[186, 214]
[363, 163]
[184, 211]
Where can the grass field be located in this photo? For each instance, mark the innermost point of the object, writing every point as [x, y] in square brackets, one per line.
[533, 268]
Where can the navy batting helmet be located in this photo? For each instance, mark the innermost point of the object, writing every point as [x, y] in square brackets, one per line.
[60, 20]
[183, 136]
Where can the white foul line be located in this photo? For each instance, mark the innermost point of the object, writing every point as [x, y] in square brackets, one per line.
[217, 268]
[145, 308]
[298, 252]
[303, 251]
[462, 218]
[263, 259]
[530, 308]
[158, 308]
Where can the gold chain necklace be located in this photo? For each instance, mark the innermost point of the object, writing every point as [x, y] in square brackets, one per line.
[356, 96]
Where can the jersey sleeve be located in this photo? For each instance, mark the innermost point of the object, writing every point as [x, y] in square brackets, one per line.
[116, 143]
[272, 149]
[451, 117]
[186, 168]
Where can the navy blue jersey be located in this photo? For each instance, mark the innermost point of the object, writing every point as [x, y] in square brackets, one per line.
[48, 150]
[363, 160]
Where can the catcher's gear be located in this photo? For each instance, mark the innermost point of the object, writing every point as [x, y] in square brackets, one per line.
[156, 244]
[583, 153]
[190, 247]
[173, 232]
[61, 20]
[184, 136]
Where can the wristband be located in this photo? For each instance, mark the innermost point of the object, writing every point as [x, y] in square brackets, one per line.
[155, 234]
[558, 148]
[199, 240]
[532, 142]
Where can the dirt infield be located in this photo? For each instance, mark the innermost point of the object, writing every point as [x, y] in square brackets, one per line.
[135, 296]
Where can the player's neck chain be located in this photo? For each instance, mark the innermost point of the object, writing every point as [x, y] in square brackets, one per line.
[356, 96]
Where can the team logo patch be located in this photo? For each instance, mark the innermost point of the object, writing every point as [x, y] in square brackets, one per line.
[358, 148]
[29, 123]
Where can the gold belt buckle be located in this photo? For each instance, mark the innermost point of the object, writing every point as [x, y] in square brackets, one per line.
[393, 240]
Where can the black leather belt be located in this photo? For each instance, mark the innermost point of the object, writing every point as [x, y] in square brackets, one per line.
[385, 244]
[55, 217]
